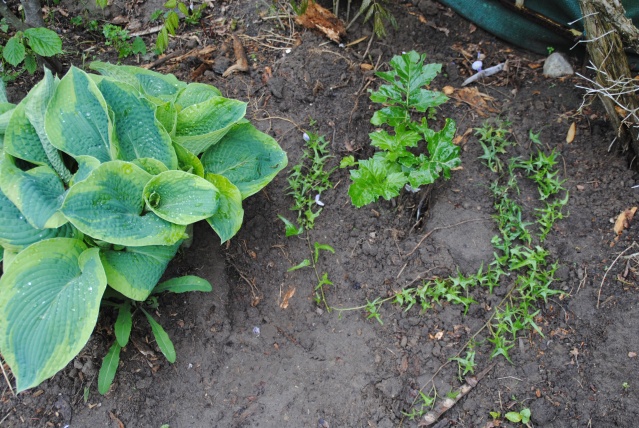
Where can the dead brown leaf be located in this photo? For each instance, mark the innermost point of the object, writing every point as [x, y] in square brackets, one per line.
[315, 17]
[287, 296]
[623, 220]
[365, 66]
[477, 100]
[570, 137]
[461, 139]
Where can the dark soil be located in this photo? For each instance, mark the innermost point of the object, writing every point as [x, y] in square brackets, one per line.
[308, 367]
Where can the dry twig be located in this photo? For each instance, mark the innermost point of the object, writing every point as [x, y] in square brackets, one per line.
[608, 270]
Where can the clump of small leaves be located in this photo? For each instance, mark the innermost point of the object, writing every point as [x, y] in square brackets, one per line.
[394, 166]
[493, 139]
[191, 14]
[308, 179]
[120, 40]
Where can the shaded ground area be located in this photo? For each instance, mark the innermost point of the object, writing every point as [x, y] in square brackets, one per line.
[310, 367]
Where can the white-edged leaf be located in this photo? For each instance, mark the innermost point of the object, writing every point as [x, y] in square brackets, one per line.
[228, 218]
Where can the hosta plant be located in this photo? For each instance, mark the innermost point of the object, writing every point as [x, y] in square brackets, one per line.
[412, 154]
[100, 176]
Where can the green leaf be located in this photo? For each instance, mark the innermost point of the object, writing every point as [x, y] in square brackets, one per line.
[123, 324]
[138, 46]
[375, 178]
[38, 193]
[86, 165]
[166, 114]
[162, 41]
[35, 110]
[102, 3]
[392, 116]
[291, 229]
[76, 120]
[153, 84]
[139, 134]
[513, 417]
[182, 8]
[150, 165]
[21, 139]
[304, 263]
[49, 303]
[108, 205]
[172, 22]
[43, 41]
[14, 51]
[135, 271]
[16, 233]
[161, 338]
[188, 162]
[30, 63]
[196, 93]
[442, 150]
[319, 247]
[228, 218]
[183, 284]
[109, 368]
[200, 126]
[170, 4]
[247, 157]
[181, 197]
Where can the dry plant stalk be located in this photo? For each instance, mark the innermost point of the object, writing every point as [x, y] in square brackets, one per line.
[613, 83]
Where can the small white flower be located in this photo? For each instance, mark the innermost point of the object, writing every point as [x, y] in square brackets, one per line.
[288, 51]
[477, 65]
[341, 45]
[306, 137]
[256, 331]
[317, 200]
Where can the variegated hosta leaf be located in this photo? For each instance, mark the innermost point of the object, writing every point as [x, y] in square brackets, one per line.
[196, 93]
[151, 83]
[21, 139]
[181, 197]
[150, 165]
[38, 193]
[7, 112]
[49, 302]
[137, 132]
[86, 164]
[36, 107]
[166, 114]
[201, 125]
[16, 233]
[108, 205]
[247, 157]
[187, 161]
[135, 271]
[76, 120]
[228, 218]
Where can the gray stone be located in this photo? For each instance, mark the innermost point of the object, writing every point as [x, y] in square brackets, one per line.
[557, 65]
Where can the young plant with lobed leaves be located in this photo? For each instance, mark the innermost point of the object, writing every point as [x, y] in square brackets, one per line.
[395, 165]
[100, 176]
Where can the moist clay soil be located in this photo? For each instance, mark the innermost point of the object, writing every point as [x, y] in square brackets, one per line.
[252, 354]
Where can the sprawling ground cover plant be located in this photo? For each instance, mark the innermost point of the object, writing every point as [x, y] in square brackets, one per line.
[100, 176]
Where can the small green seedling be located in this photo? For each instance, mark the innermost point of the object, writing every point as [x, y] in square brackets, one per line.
[465, 365]
[522, 416]
[119, 38]
[171, 18]
[426, 403]
[625, 386]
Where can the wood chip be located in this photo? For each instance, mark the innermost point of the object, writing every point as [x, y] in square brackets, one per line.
[570, 137]
[315, 17]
